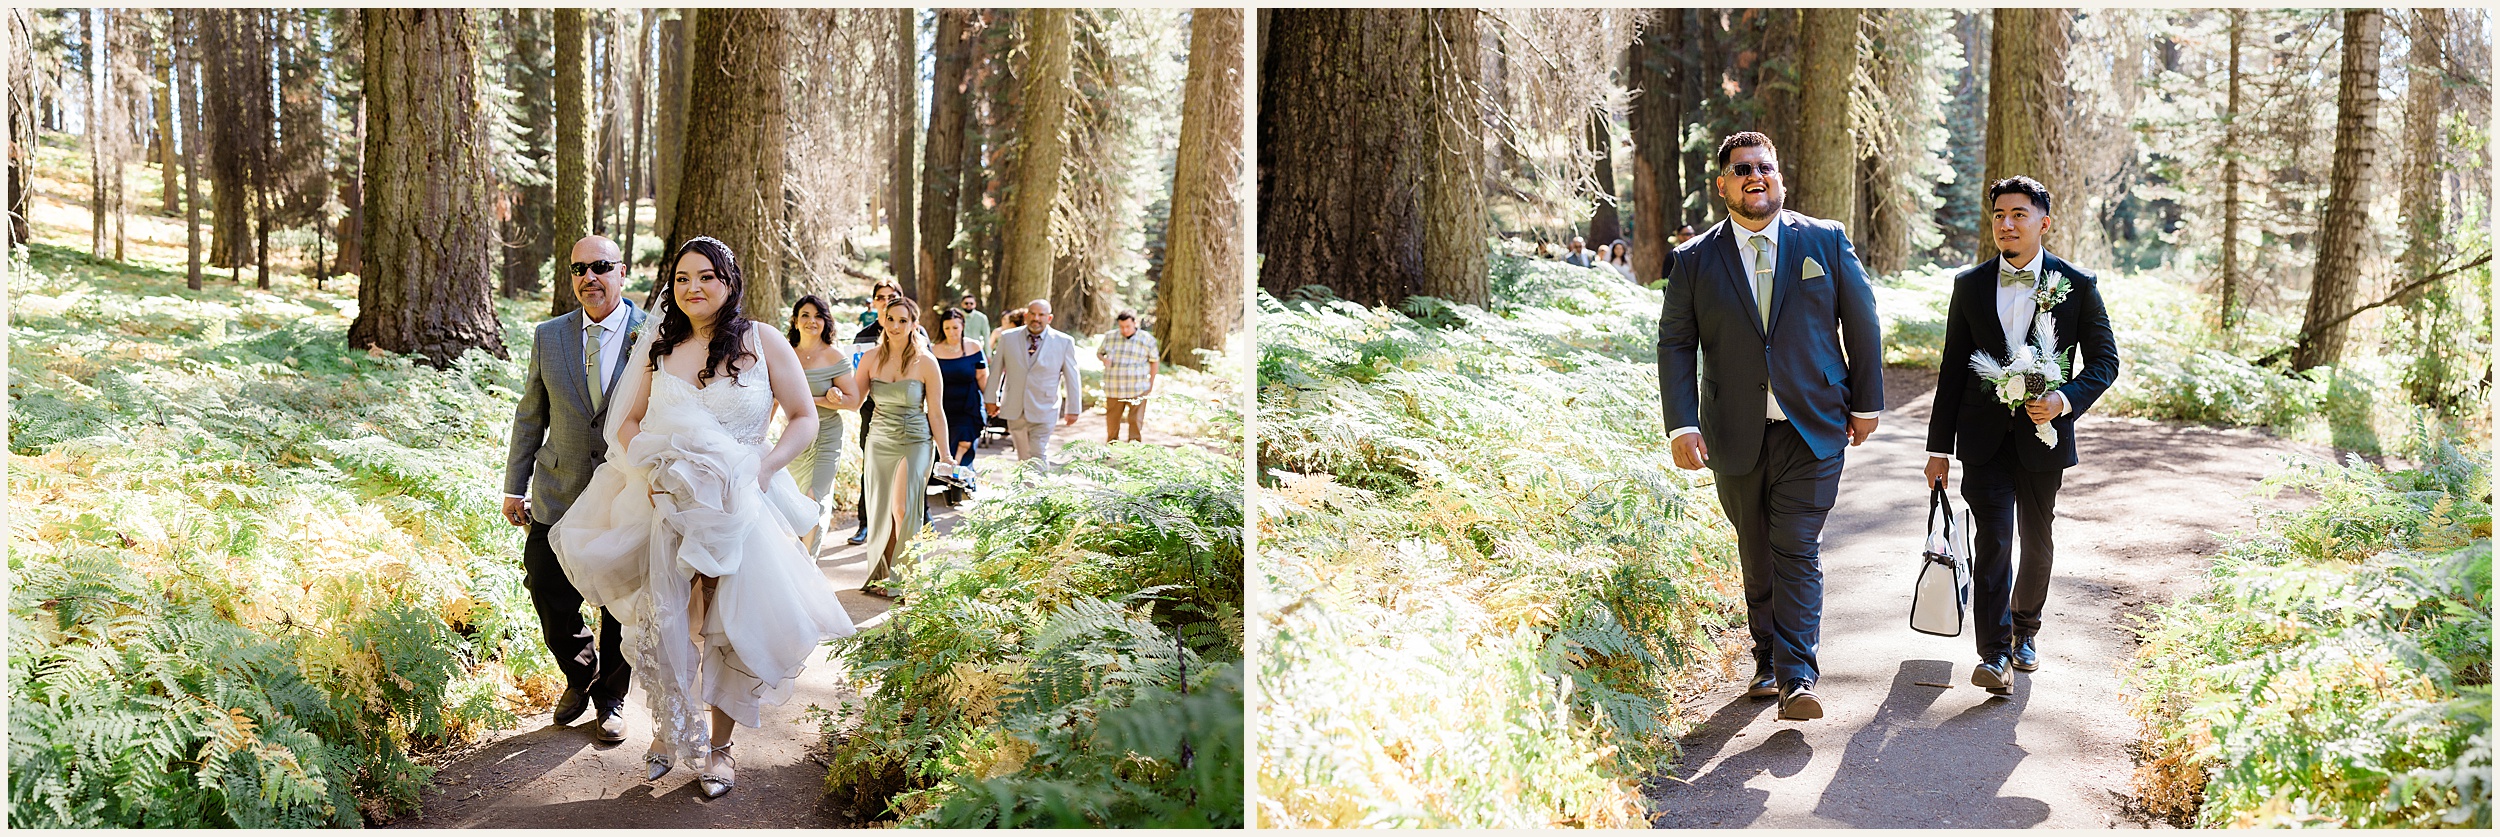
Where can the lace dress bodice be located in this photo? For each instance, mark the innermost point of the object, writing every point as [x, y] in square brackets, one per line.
[744, 405]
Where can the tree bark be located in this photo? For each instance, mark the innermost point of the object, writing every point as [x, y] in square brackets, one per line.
[1028, 246]
[352, 195]
[2027, 95]
[942, 177]
[427, 290]
[1781, 79]
[96, 74]
[2424, 98]
[731, 187]
[2343, 231]
[1341, 154]
[1198, 301]
[668, 157]
[1657, 125]
[2231, 138]
[1822, 175]
[185, 53]
[573, 138]
[902, 250]
[1455, 221]
[166, 157]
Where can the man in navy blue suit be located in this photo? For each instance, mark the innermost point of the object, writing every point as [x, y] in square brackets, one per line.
[1790, 370]
[2009, 477]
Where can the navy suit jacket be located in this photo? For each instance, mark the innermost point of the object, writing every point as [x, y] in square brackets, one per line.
[1968, 420]
[1823, 355]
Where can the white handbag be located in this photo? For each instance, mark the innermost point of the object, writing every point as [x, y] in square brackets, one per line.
[1941, 602]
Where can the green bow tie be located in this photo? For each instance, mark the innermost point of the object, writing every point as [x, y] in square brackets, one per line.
[2010, 278]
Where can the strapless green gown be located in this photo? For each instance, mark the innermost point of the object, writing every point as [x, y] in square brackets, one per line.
[900, 454]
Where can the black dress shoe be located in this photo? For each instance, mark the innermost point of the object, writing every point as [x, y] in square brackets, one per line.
[1764, 685]
[1800, 704]
[2026, 658]
[1990, 675]
[859, 537]
[611, 724]
[570, 706]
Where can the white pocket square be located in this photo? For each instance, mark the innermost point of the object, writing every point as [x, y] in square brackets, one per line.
[1813, 269]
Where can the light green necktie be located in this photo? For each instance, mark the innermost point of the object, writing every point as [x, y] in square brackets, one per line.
[590, 365]
[2010, 278]
[1762, 265]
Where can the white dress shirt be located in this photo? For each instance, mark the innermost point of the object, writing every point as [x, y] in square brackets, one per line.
[1745, 252]
[2015, 309]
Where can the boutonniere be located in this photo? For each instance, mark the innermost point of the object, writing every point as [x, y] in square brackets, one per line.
[2052, 290]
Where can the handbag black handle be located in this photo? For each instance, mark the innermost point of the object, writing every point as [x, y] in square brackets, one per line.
[1937, 502]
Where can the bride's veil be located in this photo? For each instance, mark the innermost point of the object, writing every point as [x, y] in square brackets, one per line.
[634, 384]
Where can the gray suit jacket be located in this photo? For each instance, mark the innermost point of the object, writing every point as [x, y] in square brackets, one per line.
[556, 437]
[1823, 354]
[1042, 387]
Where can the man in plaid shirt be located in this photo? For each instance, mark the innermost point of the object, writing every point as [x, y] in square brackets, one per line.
[1128, 375]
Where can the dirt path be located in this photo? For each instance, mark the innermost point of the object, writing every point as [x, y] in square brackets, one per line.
[539, 775]
[2136, 522]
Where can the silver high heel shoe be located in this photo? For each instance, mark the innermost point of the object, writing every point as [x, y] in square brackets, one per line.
[658, 760]
[719, 772]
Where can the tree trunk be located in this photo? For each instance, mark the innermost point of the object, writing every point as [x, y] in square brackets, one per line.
[902, 250]
[1029, 246]
[1455, 221]
[2424, 98]
[942, 177]
[573, 137]
[527, 247]
[352, 195]
[731, 187]
[2231, 134]
[2027, 96]
[221, 60]
[428, 284]
[166, 157]
[1657, 125]
[1341, 154]
[1606, 224]
[187, 90]
[669, 154]
[96, 74]
[1703, 70]
[1198, 301]
[2344, 231]
[1822, 174]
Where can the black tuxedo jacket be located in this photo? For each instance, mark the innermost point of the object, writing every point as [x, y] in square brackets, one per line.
[1823, 354]
[1968, 421]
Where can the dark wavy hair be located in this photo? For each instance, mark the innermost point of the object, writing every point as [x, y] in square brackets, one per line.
[729, 331]
[824, 315]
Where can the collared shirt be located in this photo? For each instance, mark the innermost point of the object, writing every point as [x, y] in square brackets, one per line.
[2015, 309]
[611, 342]
[1128, 364]
[976, 324]
[1744, 253]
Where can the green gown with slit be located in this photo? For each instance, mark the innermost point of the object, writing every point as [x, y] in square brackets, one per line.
[900, 455]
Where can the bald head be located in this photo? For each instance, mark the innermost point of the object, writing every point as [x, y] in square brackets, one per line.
[600, 290]
[1037, 315]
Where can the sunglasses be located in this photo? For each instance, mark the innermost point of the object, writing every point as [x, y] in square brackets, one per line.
[1747, 169]
[600, 267]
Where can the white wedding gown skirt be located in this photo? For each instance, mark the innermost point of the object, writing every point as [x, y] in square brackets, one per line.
[636, 553]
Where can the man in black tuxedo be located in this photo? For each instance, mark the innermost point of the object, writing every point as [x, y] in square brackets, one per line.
[1791, 368]
[2009, 478]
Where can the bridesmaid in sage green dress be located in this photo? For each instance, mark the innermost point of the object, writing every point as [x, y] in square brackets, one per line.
[904, 379]
[829, 379]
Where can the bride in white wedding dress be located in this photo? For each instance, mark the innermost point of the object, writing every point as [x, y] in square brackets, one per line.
[687, 533]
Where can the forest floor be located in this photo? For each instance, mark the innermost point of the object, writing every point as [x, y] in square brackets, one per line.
[2138, 520]
[541, 775]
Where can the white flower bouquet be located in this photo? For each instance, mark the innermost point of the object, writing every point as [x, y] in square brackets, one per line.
[2031, 373]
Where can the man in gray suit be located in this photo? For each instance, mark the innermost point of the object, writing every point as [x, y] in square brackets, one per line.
[1036, 382]
[557, 440]
[1791, 368]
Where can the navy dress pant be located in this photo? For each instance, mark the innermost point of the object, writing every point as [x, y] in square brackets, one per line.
[1778, 511]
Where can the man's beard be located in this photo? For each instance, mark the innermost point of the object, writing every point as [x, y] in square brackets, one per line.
[1773, 196]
